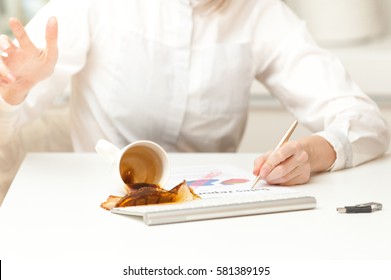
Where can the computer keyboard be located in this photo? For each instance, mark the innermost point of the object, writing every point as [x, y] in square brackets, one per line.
[213, 208]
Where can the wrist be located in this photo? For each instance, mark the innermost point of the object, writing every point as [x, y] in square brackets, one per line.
[16, 93]
[12, 97]
[320, 153]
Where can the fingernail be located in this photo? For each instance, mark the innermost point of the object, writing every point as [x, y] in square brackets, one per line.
[10, 77]
[4, 46]
[53, 20]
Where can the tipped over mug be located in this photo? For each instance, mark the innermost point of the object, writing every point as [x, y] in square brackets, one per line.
[139, 162]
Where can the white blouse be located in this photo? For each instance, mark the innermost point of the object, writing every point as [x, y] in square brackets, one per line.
[179, 72]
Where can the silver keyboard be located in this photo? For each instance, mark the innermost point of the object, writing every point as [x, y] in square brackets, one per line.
[213, 208]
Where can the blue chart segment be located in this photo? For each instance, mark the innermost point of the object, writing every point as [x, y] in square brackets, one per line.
[216, 182]
[202, 182]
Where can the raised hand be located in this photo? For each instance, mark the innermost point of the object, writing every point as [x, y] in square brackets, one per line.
[23, 66]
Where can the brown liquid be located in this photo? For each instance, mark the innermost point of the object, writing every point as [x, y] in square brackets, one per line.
[140, 164]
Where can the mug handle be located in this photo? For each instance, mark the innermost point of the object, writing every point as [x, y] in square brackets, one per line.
[108, 151]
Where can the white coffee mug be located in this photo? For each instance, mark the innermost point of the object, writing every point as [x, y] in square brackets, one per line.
[139, 162]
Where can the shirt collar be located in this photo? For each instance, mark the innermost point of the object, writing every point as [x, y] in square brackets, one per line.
[205, 6]
[195, 3]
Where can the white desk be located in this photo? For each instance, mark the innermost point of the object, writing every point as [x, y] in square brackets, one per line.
[52, 212]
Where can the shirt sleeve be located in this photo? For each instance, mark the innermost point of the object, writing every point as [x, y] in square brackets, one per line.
[314, 86]
[73, 47]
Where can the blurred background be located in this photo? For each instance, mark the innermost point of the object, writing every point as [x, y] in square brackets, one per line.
[358, 31]
[22, 9]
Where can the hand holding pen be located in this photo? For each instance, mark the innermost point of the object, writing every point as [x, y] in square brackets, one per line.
[288, 164]
[293, 162]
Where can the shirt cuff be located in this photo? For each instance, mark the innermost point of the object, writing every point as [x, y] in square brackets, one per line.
[342, 148]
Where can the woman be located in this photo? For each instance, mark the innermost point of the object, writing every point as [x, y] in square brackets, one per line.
[179, 73]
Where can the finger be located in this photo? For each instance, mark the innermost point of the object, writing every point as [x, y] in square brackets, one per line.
[281, 172]
[299, 179]
[5, 74]
[20, 33]
[275, 159]
[6, 46]
[294, 170]
[4, 43]
[299, 158]
[52, 36]
[283, 177]
[258, 163]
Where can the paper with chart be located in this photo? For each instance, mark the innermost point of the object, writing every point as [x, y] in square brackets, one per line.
[213, 181]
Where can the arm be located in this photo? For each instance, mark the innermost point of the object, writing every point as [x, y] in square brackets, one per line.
[314, 86]
[21, 68]
[25, 98]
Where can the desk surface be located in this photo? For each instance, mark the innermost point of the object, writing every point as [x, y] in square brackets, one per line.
[52, 210]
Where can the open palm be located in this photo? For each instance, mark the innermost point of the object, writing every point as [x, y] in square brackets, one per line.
[25, 65]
